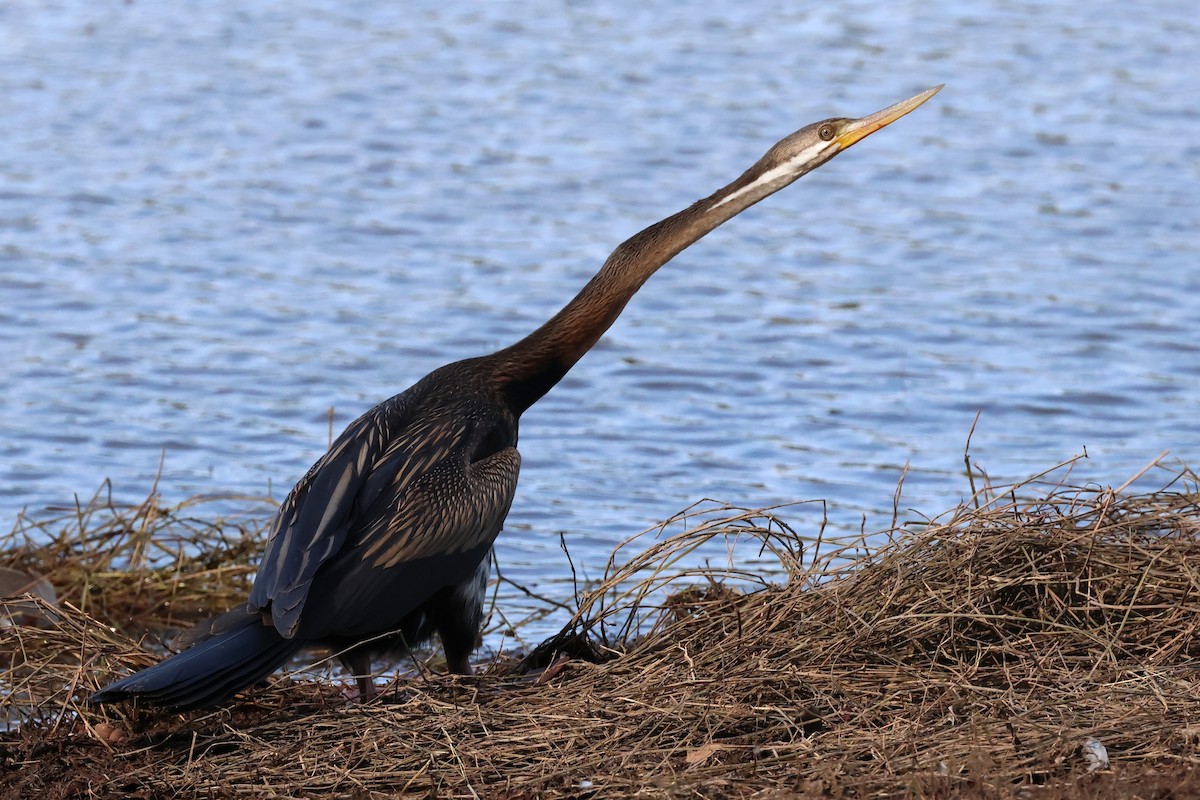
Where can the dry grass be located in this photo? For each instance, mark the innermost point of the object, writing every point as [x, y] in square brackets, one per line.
[969, 656]
[144, 567]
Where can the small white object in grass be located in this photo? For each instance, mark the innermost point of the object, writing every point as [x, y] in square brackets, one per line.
[585, 784]
[1096, 754]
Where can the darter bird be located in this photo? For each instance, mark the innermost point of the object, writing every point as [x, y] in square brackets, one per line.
[387, 539]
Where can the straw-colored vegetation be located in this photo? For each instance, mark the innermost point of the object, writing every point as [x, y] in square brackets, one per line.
[1040, 641]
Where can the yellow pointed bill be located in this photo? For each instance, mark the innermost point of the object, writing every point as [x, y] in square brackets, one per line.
[861, 128]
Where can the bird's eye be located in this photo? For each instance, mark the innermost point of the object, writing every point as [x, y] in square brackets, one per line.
[826, 132]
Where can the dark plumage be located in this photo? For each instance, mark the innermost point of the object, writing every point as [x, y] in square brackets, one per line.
[387, 539]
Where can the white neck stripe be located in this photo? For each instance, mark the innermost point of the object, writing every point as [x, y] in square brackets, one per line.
[786, 168]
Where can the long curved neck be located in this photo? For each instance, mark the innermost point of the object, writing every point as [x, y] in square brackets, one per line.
[531, 367]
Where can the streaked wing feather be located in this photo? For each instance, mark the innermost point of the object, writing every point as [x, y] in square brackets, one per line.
[305, 533]
[441, 528]
[445, 511]
[369, 483]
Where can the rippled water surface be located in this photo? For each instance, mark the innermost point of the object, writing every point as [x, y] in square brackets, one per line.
[218, 220]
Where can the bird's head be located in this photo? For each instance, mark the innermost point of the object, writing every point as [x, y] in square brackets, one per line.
[813, 145]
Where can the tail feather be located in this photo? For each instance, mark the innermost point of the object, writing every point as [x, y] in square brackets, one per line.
[208, 673]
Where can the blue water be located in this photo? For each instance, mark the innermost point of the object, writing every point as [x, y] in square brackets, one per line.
[219, 220]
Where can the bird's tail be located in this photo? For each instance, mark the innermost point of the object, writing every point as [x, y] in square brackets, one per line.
[208, 673]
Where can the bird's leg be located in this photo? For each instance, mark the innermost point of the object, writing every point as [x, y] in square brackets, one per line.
[457, 613]
[459, 664]
[358, 664]
[459, 632]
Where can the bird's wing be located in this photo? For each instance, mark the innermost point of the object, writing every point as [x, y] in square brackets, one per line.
[380, 478]
[419, 538]
[449, 508]
[313, 521]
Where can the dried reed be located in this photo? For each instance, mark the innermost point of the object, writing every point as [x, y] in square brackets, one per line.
[1003, 650]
